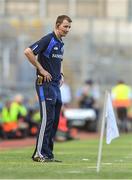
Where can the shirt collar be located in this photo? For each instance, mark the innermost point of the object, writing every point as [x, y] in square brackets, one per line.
[60, 40]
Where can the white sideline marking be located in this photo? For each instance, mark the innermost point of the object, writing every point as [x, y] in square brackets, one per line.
[128, 157]
[107, 163]
[120, 160]
[91, 167]
[85, 159]
[75, 172]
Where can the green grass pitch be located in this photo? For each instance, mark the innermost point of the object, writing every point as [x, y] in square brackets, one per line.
[79, 161]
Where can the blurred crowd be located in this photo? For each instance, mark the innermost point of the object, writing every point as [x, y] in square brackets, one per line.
[122, 102]
[20, 119]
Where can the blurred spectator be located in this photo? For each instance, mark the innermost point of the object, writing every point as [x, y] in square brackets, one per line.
[66, 93]
[122, 101]
[1, 131]
[33, 120]
[88, 96]
[9, 124]
[129, 113]
[33, 116]
[19, 110]
[13, 122]
[64, 133]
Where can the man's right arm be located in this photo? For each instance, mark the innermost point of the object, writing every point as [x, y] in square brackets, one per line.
[33, 60]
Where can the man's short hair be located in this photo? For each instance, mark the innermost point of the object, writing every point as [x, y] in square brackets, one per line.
[61, 18]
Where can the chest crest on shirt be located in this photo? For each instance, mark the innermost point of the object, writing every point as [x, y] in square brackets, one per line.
[57, 52]
[56, 48]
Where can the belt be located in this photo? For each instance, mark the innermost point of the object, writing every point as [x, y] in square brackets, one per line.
[40, 80]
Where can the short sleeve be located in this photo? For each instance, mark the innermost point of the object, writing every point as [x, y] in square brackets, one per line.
[40, 45]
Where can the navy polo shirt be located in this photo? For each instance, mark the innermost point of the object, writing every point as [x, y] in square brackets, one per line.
[50, 54]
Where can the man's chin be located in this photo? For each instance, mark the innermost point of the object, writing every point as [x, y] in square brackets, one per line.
[64, 35]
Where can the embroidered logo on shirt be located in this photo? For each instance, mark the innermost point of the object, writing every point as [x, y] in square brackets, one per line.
[49, 99]
[55, 48]
[57, 56]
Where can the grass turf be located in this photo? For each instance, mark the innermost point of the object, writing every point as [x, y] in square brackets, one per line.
[79, 161]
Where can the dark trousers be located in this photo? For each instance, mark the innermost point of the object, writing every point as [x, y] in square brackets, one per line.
[122, 113]
[122, 116]
[50, 106]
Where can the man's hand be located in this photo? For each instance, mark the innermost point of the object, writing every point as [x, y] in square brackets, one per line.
[62, 80]
[47, 76]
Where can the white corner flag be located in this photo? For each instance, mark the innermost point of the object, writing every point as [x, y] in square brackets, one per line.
[111, 125]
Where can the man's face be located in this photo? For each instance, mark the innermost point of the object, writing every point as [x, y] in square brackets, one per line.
[64, 28]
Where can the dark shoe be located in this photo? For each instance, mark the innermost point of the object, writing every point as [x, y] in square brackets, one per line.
[38, 159]
[55, 160]
[42, 159]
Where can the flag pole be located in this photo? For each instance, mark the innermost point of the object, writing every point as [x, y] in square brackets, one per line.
[102, 133]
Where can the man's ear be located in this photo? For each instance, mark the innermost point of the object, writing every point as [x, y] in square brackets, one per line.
[57, 25]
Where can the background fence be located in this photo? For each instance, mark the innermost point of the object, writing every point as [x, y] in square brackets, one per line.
[98, 46]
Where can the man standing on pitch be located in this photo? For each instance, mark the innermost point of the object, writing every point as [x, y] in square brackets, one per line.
[49, 51]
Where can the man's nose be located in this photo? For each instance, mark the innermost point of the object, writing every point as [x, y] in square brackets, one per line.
[68, 29]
